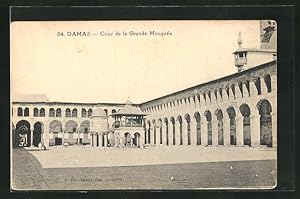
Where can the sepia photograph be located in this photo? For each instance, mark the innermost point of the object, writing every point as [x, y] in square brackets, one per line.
[143, 105]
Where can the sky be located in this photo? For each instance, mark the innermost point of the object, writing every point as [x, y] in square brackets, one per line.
[115, 68]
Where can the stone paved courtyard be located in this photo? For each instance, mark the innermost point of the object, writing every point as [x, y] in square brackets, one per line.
[76, 168]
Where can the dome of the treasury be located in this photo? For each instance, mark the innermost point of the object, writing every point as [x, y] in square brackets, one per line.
[98, 112]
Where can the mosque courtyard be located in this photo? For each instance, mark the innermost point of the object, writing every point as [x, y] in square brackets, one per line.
[88, 168]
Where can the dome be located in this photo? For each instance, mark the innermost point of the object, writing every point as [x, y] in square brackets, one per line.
[99, 112]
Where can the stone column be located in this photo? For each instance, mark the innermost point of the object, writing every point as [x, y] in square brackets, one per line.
[224, 95]
[31, 137]
[146, 134]
[274, 129]
[158, 136]
[245, 91]
[193, 128]
[121, 140]
[177, 133]
[152, 135]
[253, 89]
[226, 129]
[202, 100]
[215, 130]
[100, 139]
[231, 95]
[263, 86]
[274, 83]
[105, 139]
[78, 136]
[184, 133]
[63, 136]
[95, 140]
[164, 141]
[238, 93]
[239, 130]
[46, 135]
[255, 129]
[204, 138]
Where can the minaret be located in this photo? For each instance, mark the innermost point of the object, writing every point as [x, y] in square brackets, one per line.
[240, 59]
[245, 58]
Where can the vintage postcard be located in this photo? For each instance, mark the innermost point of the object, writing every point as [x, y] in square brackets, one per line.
[143, 105]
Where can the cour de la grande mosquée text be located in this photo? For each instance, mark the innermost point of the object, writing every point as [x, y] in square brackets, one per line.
[115, 33]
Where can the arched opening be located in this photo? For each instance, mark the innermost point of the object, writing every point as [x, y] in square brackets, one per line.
[232, 121]
[105, 110]
[71, 131]
[245, 111]
[58, 112]
[90, 112]
[55, 127]
[258, 86]
[42, 112]
[179, 119]
[207, 114]
[38, 129]
[22, 134]
[127, 139]
[74, 112]
[35, 112]
[84, 132]
[188, 128]
[198, 127]
[265, 110]
[267, 79]
[68, 112]
[219, 116]
[51, 112]
[172, 119]
[20, 112]
[136, 139]
[167, 130]
[160, 130]
[26, 112]
[113, 111]
[83, 112]
[154, 131]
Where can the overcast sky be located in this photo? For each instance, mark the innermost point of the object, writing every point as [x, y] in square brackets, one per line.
[114, 68]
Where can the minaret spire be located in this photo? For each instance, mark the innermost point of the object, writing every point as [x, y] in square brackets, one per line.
[240, 40]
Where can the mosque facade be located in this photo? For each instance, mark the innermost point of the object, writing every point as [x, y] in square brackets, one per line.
[237, 110]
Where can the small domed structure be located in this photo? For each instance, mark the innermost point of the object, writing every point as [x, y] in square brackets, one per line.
[99, 112]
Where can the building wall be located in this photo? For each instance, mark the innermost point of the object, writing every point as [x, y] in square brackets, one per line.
[219, 98]
[216, 96]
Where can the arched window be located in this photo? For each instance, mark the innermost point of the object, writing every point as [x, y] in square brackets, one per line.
[74, 112]
[105, 111]
[68, 112]
[58, 112]
[35, 112]
[51, 112]
[83, 112]
[113, 111]
[90, 112]
[26, 112]
[20, 111]
[42, 112]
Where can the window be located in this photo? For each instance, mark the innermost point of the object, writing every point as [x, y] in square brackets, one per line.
[26, 112]
[20, 111]
[58, 112]
[35, 112]
[68, 112]
[51, 112]
[42, 112]
[83, 112]
[74, 112]
[90, 112]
